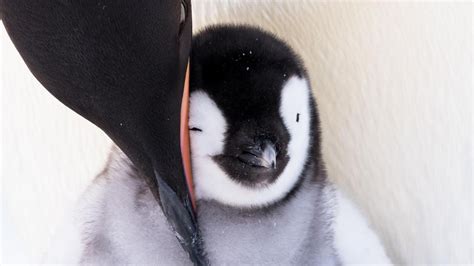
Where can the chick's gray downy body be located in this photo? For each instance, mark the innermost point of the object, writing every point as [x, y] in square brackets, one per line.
[122, 223]
[263, 196]
[297, 232]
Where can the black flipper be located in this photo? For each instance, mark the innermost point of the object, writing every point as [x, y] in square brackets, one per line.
[120, 64]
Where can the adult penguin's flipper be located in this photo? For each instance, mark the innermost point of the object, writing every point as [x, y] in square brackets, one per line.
[120, 64]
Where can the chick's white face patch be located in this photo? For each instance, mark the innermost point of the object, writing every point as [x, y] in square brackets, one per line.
[207, 126]
[211, 182]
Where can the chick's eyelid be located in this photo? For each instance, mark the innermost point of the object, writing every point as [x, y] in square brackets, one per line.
[195, 129]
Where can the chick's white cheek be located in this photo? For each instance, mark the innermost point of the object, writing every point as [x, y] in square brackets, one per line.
[295, 99]
[296, 115]
[205, 115]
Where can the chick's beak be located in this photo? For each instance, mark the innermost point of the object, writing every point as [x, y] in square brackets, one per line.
[260, 155]
[269, 156]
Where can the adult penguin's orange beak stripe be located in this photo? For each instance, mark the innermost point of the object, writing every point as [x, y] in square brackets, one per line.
[184, 134]
[120, 64]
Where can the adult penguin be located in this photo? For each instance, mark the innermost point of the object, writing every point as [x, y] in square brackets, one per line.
[122, 65]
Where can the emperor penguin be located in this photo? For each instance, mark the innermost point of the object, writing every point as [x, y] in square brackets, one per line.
[263, 195]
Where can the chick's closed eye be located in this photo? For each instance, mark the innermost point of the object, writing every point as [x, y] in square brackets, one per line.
[195, 129]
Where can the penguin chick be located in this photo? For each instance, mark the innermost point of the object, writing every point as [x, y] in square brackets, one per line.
[263, 195]
[253, 121]
[262, 192]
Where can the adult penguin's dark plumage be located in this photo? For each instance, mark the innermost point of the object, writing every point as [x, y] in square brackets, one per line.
[120, 64]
